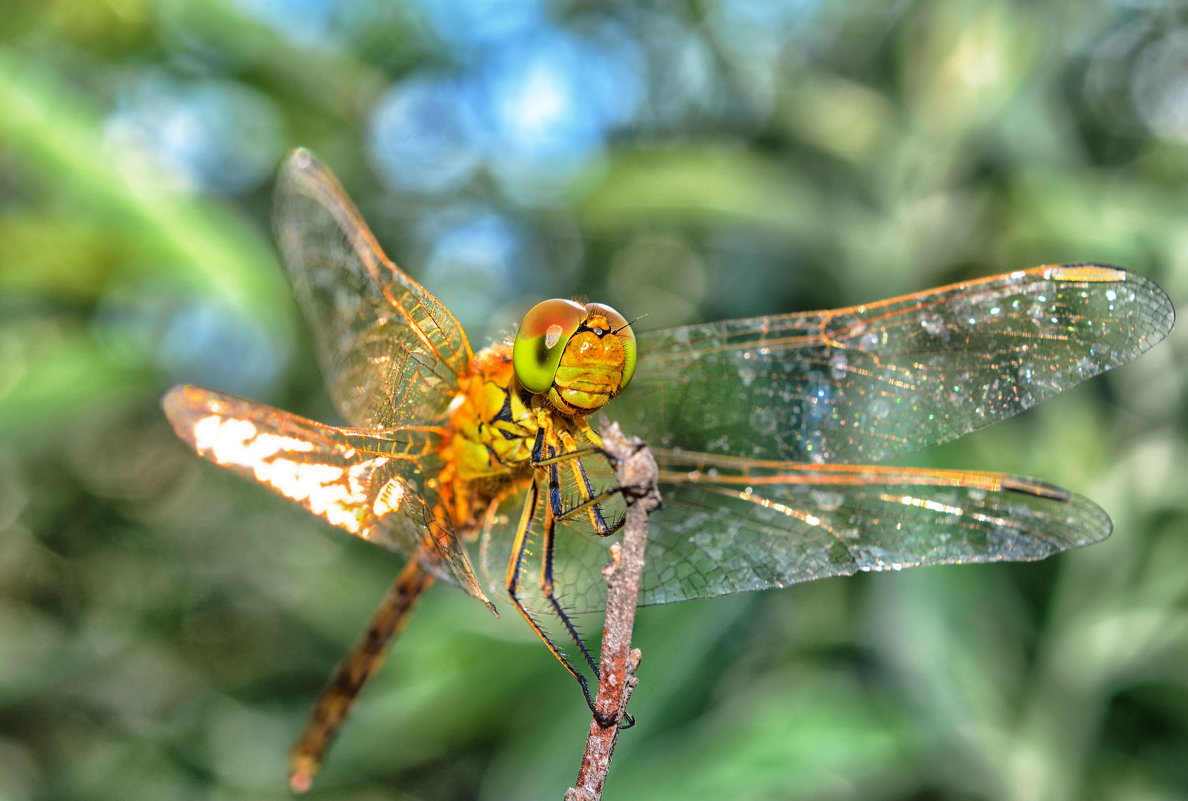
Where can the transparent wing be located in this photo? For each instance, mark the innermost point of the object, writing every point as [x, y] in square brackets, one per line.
[734, 525]
[731, 526]
[365, 483]
[391, 354]
[868, 382]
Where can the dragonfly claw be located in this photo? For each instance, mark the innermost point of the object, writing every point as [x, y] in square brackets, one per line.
[623, 720]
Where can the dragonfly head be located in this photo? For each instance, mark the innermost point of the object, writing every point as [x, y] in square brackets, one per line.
[580, 356]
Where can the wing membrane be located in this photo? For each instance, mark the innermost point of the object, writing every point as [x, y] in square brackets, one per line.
[390, 352]
[731, 526]
[864, 383]
[735, 525]
[368, 484]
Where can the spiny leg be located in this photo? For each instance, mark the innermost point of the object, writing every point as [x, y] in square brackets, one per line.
[546, 569]
[572, 454]
[557, 512]
[589, 500]
[549, 589]
[514, 567]
[550, 456]
[352, 673]
[546, 458]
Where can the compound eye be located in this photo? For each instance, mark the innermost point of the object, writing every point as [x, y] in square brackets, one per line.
[620, 328]
[541, 341]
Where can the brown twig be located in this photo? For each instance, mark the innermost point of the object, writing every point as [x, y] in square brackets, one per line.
[636, 472]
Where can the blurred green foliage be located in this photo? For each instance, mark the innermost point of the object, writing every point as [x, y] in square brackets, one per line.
[163, 626]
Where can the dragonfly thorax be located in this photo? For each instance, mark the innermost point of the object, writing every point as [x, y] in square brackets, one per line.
[578, 357]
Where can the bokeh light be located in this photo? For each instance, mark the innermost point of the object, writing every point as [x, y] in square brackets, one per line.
[471, 27]
[424, 135]
[1161, 85]
[209, 136]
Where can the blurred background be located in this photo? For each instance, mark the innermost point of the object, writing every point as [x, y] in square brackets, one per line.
[164, 626]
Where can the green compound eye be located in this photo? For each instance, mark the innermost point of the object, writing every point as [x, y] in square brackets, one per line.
[541, 341]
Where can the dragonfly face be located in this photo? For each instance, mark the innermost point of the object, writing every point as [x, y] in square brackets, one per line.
[764, 430]
[578, 356]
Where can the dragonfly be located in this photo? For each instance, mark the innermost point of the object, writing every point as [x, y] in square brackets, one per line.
[770, 434]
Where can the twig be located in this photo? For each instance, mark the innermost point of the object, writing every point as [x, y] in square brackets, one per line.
[636, 472]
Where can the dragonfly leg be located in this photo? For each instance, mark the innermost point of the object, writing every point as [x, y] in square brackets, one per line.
[548, 456]
[514, 570]
[570, 451]
[548, 588]
[590, 504]
[547, 460]
[352, 673]
[589, 498]
[600, 528]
